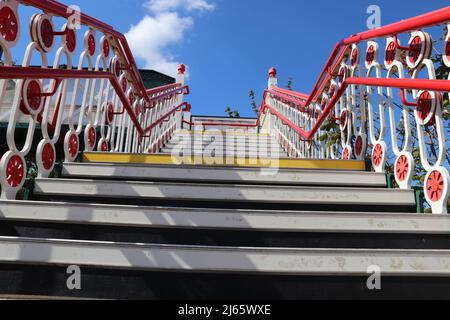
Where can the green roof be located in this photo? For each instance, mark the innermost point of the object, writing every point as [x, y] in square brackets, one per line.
[153, 79]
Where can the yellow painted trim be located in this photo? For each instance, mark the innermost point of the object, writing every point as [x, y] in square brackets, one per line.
[162, 159]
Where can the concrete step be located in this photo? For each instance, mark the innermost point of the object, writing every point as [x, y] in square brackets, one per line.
[224, 144]
[225, 153]
[224, 260]
[204, 174]
[221, 227]
[226, 196]
[210, 138]
[101, 283]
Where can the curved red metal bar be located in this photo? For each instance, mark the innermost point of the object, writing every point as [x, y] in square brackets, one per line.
[338, 54]
[61, 74]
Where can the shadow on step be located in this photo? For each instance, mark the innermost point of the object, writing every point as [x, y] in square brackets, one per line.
[110, 284]
[244, 238]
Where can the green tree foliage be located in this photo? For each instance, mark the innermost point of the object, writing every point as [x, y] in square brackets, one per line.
[233, 114]
[289, 83]
[253, 104]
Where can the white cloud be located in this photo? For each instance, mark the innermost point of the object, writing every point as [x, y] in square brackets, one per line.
[165, 25]
[171, 5]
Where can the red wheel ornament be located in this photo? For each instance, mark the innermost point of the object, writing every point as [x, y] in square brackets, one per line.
[344, 119]
[332, 90]
[131, 98]
[104, 146]
[402, 168]
[92, 137]
[70, 40]
[48, 156]
[106, 48]
[354, 56]
[91, 44]
[114, 67]
[47, 33]
[377, 156]
[32, 101]
[324, 103]
[110, 113]
[447, 52]
[73, 145]
[435, 186]
[359, 146]
[15, 171]
[415, 48]
[343, 73]
[390, 54]
[425, 110]
[346, 154]
[370, 55]
[9, 27]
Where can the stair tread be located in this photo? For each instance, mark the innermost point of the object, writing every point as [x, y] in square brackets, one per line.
[198, 218]
[223, 174]
[224, 259]
[218, 192]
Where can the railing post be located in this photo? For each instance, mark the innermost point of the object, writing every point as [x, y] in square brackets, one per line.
[179, 115]
[272, 83]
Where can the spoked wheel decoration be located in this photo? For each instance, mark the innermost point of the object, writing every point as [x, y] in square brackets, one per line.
[378, 157]
[359, 146]
[106, 49]
[109, 113]
[371, 54]
[104, 146]
[446, 55]
[48, 156]
[402, 168]
[32, 101]
[9, 26]
[390, 54]
[426, 108]
[15, 171]
[435, 186]
[420, 46]
[91, 137]
[344, 120]
[89, 43]
[346, 153]
[71, 146]
[354, 60]
[42, 32]
[70, 40]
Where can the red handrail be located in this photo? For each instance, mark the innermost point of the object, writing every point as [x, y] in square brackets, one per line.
[61, 10]
[8, 72]
[163, 88]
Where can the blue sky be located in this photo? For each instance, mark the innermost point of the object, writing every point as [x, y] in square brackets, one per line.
[229, 45]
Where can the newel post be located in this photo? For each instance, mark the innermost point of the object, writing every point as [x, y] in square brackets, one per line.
[182, 114]
[272, 82]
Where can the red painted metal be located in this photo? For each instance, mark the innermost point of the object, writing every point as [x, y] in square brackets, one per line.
[8, 24]
[402, 168]
[73, 145]
[15, 171]
[435, 186]
[377, 155]
[48, 156]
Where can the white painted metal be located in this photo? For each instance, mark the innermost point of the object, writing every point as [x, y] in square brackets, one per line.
[214, 192]
[223, 174]
[254, 220]
[279, 261]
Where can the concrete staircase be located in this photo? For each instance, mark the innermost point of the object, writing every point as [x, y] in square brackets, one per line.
[217, 143]
[157, 230]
